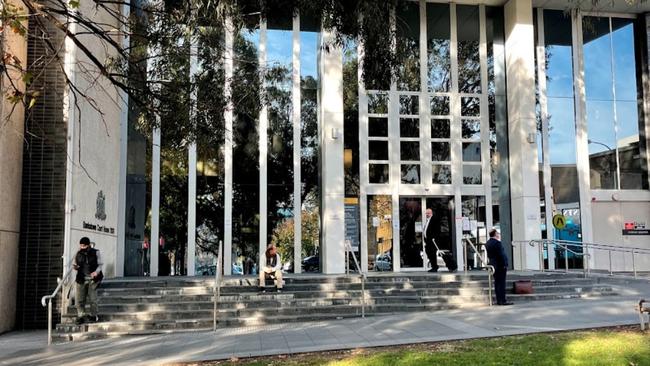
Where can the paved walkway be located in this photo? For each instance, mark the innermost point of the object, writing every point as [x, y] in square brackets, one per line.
[29, 348]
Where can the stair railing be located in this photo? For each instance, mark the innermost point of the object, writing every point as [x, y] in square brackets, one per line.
[490, 268]
[362, 275]
[62, 284]
[216, 289]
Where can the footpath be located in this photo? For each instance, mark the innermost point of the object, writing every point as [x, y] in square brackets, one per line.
[30, 347]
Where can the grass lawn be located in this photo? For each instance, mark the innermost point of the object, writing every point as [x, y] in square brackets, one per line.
[625, 346]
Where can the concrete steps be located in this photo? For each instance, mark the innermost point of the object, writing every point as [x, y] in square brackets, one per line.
[160, 305]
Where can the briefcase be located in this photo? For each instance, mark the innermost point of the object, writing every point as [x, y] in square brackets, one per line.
[522, 287]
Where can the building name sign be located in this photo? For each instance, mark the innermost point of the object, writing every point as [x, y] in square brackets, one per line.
[98, 228]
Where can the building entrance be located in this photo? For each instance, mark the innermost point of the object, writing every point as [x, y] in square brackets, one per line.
[413, 222]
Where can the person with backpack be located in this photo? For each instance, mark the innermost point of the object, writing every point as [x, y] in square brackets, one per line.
[88, 264]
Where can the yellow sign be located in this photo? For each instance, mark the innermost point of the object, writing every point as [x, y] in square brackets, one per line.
[559, 221]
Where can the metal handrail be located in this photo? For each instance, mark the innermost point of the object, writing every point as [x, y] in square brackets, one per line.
[362, 275]
[490, 268]
[588, 249]
[216, 289]
[48, 298]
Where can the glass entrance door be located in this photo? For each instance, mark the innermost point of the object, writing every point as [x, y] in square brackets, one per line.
[442, 225]
[410, 233]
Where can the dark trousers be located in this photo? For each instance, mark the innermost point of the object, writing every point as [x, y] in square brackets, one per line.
[500, 285]
[431, 254]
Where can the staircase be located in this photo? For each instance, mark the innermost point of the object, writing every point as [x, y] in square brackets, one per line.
[171, 304]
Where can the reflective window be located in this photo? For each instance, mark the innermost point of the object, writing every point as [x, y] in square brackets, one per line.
[441, 174]
[612, 111]
[378, 173]
[471, 129]
[309, 146]
[438, 47]
[410, 173]
[246, 171]
[440, 128]
[407, 19]
[378, 126]
[410, 150]
[408, 104]
[440, 151]
[378, 103]
[409, 127]
[380, 233]
[439, 105]
[378, 150]
[469, 62]
[471, 151]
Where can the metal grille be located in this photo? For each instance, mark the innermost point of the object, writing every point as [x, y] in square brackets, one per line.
[43, 190]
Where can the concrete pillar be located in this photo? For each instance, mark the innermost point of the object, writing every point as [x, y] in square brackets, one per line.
[520, 76]
[12, 119]
[332, 176]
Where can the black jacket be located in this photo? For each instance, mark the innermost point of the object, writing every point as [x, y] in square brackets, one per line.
[87, 263]
[496, 254]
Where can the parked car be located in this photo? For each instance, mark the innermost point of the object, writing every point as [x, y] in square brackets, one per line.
[311, 263]
[383, 262]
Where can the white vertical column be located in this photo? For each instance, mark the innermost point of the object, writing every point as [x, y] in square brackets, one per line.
[191, 172]
[155, 203]
[425, 107]
[124, 140]
[333, 189]
[297, 198]
[263, 144]
[228, 121]
[363, 159]
[455, 134]
[522, 128]
[543, 103]
[486, 162]
[394, 166]
[582, 144]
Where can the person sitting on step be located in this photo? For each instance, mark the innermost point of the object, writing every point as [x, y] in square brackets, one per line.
[272, 268]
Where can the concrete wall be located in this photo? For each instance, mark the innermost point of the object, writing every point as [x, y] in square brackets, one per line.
[11, 163]
[95, 135]
[609, 218]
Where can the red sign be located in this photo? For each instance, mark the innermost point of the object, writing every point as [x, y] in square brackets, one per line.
[629, 226]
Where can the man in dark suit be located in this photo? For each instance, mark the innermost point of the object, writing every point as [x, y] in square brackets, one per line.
[428, 233]
[497, 258]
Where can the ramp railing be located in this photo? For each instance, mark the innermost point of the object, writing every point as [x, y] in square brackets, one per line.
[588, 252]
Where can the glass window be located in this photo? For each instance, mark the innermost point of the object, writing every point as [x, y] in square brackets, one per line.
[469, 63]
[407, 19]
[471, 129]
[472, 174]
[378, 126]
[409, 127]
[378, 150]
[410, 173]
[378, 173]
[440, 128]
[440, 151]
[246, 171]
[280, 201]
[470, 106]
[439, 105]
[408, 104]
[378, 103]
[441, 174]
[438, 47]
[471, 151]
[409, 150]
[309, 149]
[380, 233]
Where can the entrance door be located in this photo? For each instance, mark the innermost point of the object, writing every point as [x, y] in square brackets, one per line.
[411, 223]
[443, 224]
[410, 233]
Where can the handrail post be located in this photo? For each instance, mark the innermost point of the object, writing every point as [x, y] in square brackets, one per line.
[610, 262]
[490, 274]
[541, 255]
[633, 264]
[566, 259]
[216, 290]
[49, 322]
[464, 258]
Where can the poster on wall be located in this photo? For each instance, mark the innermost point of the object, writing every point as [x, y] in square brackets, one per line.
[635, 228]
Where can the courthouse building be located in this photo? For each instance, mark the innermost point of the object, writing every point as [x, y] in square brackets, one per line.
[504, 114]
